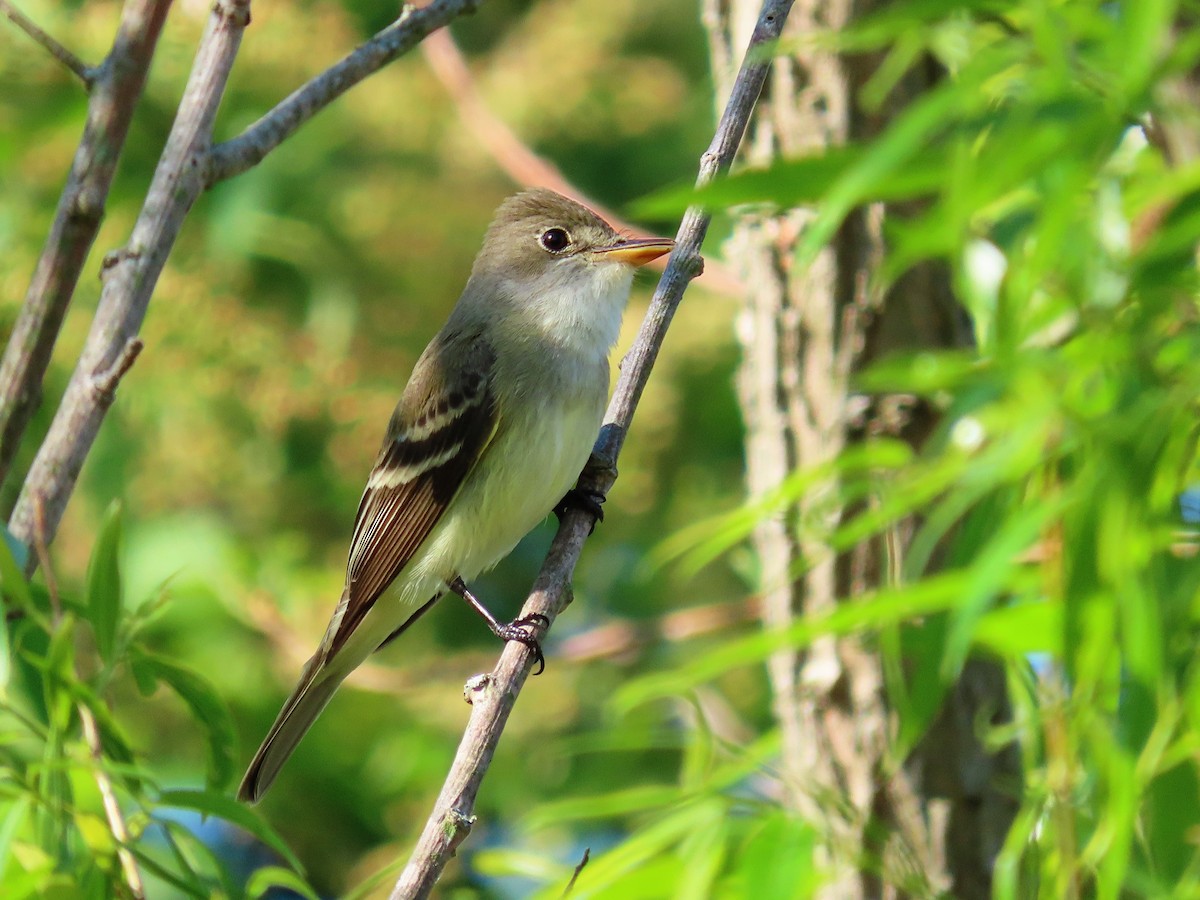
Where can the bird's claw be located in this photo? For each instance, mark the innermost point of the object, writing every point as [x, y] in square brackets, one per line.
[521, 631]
[582, 498]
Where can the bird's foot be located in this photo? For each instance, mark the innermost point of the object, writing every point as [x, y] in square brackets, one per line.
[522, 631]
[581, 498]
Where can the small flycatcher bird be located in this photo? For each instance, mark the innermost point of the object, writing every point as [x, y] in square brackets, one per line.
[491, 432]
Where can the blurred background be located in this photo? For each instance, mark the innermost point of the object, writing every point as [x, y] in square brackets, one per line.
[285, 325]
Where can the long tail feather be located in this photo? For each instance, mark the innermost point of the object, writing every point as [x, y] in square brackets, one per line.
[316, 686]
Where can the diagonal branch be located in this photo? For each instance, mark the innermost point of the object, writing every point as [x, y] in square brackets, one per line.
[82, 70]
[129, 279]
[238, 154]
[492, 696]
[116, 86]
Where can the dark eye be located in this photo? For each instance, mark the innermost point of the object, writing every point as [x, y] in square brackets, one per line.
[555, 240]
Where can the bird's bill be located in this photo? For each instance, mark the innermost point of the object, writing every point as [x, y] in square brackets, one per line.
[637, 251]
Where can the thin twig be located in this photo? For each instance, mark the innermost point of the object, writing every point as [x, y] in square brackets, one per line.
[82, 70]
[494, 696]
[116, 87]
[238, 154]
[91, 732]
[518, 160]
[587, 853]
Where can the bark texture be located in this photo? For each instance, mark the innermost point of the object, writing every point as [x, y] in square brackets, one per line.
[893, 827]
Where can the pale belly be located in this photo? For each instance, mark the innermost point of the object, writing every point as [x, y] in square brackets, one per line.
[523, 475]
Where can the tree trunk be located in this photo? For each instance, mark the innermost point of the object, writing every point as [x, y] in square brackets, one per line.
[888, 829]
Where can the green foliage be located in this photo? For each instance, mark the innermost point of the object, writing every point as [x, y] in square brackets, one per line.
[1049, 495]
[68, 756]
[288, 317]
[297, 300]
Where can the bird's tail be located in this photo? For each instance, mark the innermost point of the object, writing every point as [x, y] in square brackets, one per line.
[316, 686]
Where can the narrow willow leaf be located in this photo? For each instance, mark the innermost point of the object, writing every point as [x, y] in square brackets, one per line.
[12, 576]
[211, 803]
[277, 877]
[206, 705]
[104, 583]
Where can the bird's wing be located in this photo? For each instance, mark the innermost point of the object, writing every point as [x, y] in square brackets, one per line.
[442, 426]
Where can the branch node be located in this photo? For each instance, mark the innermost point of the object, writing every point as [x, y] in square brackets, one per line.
[475, 687]
[113, 258]
[237, 11]
[456, 826]
[104, 381]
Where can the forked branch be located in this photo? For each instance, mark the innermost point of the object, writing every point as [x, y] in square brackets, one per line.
[189, 164]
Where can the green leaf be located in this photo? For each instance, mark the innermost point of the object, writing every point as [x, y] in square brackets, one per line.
[877, 610]
[104, 583]
[276, 876]
[1022, 628]
[800, 181]
[211, 803]
[778, 860]
[145, 674]
[9, 826]
[12, 571]
[113, 740]
[639, 853]
[603, 806]
[205, 703]
[990, 576]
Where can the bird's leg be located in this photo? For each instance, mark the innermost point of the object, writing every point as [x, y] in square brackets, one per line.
[520, 630]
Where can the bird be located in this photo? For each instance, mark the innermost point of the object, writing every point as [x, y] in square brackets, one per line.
[493, 428]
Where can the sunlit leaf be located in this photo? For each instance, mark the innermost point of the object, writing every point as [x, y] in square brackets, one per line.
[268, 877]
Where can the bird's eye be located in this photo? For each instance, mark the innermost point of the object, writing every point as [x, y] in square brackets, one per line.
[555, 240]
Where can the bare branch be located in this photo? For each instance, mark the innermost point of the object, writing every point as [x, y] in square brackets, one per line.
[496, 695]
[238, 154]
[116, 87]
[517, 159]
[130, 279]
[82, 70]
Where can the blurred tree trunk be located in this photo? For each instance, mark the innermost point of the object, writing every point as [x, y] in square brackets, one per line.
[891, 827]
